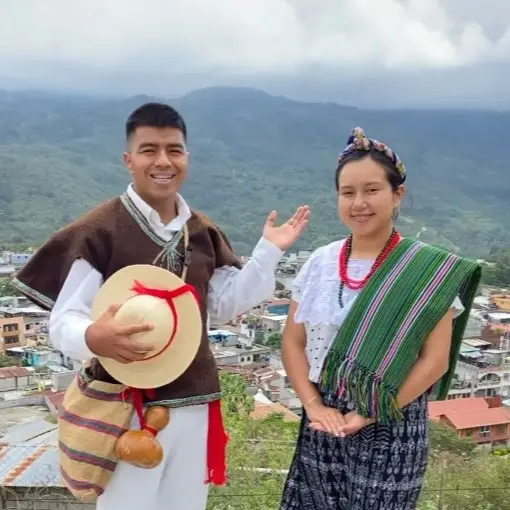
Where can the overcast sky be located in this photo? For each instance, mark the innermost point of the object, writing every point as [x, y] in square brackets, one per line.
[378, 53]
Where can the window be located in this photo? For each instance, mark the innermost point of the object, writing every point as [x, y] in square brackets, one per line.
[485, 430]
[11, 340]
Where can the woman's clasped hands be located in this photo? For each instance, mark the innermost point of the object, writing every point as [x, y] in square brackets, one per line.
[332, 421]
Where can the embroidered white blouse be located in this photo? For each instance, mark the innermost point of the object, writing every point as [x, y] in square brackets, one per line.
[316, 289]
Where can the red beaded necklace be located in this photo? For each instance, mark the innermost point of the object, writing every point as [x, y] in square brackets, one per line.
[343, 261]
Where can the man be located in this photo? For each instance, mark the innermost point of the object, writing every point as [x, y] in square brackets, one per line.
[151, 223]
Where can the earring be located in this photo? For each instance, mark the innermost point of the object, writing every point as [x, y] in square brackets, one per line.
[396, 213]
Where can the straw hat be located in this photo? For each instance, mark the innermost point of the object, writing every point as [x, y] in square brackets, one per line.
[175, 347]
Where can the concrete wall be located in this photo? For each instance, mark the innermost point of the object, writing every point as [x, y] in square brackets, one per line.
[466, 372]
[61, 381]
[227, 360]
[34, 400]
[17, 383]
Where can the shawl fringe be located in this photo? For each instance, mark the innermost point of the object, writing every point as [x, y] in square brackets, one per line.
[372, 396]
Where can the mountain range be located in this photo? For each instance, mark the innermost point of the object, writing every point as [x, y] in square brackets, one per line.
[251, 153]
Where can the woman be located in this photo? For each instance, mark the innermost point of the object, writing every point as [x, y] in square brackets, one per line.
[375, 323]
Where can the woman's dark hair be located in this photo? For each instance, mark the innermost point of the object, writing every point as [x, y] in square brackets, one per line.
[157, 115]
[392, 174]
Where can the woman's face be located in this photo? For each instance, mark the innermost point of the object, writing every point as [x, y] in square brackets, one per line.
[366, 201]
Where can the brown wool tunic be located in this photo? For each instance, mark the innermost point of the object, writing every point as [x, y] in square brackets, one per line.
[115, 235]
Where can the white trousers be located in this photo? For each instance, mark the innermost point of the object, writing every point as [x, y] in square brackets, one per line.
[178, 483]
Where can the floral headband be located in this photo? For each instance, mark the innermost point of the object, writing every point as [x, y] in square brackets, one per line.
[359, 141]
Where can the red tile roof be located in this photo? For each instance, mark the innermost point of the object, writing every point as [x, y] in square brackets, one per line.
[56, 398]
[8, 372]
[468, 413]
[263, 371]
[498, 326]
[474, 419]
[436, 409]
[262, 411]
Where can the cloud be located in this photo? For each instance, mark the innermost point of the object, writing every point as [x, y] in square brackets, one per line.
[201, 42]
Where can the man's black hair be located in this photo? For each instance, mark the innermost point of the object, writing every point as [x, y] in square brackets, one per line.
[157, 115]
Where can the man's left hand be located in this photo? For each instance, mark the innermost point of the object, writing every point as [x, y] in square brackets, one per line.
[287, 234]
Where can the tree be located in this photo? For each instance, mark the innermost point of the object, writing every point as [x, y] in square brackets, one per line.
[274, 340]
[259, 336]
[498, 274]
[279, 286]
[455, 483]
[8, 361]
[7, 289]
[236, 401]
[443, 440]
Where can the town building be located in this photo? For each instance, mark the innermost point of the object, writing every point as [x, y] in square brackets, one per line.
[12, 332]
[484, 421]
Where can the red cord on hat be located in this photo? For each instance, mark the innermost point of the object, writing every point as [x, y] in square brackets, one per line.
[168, 296]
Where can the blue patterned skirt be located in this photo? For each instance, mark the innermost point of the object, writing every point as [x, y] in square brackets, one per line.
[379, 468]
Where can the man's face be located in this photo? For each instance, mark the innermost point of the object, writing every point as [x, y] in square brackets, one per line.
[158, 161]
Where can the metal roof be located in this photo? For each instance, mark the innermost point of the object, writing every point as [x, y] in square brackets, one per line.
[221, 332]
[472, 354]
[35, 432]
[8, 372]
[29, 466]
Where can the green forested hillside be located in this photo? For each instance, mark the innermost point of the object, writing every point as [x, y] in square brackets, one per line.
[251, 153]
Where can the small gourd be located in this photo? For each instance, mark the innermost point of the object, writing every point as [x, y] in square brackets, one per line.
[140, 447]
[157, 417]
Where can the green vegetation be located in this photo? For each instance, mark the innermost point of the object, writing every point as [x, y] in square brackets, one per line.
[274, 340]
[7, 289]
[458, 476]
[251, 153]
[501, 452]
[8, 361]
[259, 337]
[498, 273]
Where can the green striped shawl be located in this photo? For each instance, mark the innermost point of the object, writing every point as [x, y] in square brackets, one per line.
[388, 324]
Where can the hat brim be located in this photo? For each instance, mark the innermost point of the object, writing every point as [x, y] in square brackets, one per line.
[173, 361]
